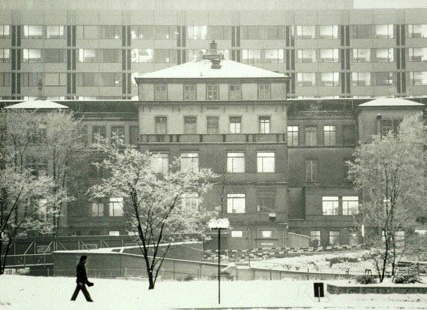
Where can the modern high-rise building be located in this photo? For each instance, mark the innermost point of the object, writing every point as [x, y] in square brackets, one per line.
[93, 49]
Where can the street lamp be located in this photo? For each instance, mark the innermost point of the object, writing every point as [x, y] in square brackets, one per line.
[219, 224]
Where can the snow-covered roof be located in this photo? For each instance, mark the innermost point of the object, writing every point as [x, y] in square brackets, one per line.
[37, 104]
[387, 102]
[202, 69]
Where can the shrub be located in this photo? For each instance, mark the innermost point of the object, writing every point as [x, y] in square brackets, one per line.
[407, 278]
[366, 279]
[188, 278]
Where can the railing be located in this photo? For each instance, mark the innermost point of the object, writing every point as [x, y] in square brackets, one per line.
[213, 138]
[28, 260]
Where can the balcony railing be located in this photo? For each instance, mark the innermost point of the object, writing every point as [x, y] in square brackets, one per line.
[213, 138]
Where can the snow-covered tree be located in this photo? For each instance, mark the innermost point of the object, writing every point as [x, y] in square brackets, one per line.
[162, 203]
[391, 173]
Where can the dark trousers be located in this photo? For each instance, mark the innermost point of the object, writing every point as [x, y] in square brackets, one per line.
[84, 290]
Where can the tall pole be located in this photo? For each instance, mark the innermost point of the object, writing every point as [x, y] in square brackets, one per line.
[219, 266]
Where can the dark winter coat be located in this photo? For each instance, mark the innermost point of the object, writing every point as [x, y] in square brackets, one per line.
[81, 274]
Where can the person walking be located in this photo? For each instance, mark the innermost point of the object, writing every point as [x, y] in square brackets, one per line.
[82, 280]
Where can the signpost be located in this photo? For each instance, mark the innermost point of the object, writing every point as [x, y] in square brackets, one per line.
[319, 290]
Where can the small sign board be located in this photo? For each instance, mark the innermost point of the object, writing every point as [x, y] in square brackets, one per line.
[319, 290]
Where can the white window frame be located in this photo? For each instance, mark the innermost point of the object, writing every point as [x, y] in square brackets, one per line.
[236, 203]
[266, 162]
[115, 206]
[235, 162]
[189, 162]
[330, 205]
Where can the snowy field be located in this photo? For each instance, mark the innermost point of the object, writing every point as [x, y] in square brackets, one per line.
[26, 292]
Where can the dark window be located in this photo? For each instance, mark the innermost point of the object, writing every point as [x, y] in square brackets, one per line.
[266, 200]
[235, 92]
[349, 135]
[212, 92]
[160, 126]
[311, 136]
[190, 125]
[190, 91]
[264, 91]
[212, 124]
[311, 170]
[98, 130]
[160, 92]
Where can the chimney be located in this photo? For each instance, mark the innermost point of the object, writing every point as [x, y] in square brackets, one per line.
[213, 56]
[213, 49]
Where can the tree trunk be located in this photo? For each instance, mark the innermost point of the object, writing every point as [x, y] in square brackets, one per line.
[150, 280]
[1, 264]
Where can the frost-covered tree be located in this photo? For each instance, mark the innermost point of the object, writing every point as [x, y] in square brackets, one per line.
[161, 203]
[391, 173]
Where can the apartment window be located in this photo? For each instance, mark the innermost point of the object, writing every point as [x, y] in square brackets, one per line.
[264, 124]
[417, 54]
[384, 54]
[311, 170]
[42, 209]
[236, 234]
[197, 32]
[97, 209]
[165, 32]
[311, 136]
[142, 55]
[116, 206]
[306, 79]
[235, 91]
[266, 200]
[111, 32]
[190, 201]
[251, 56]
[250, 32]
[417, 31]
[330, 205]
[292, 135]
[119, 133]
[350, 205]
[190, 91]
[87, 55]
[306, 32]
[275, 32]
[219, 33]
[164, 56]
[329, 79]
[328, 32]
[274, 56]
[389, 125]
[4, 79]
[384, 78]
[418, 78]
[306, 55]
[329, 55]
[98, 131]
[109, 79]
[190, 162]
[329, 135]
[349, 134]
[265, 162]
[161, 163]
[109, 56]
[236, 203]
[142, 32]
[4, 31]
[235, 124]
[54, 55]
[361, 31]
[54, 32]
[235, 162]
[160, 125]
[361, 78]
[55, 79]
[33, 32]
[212, 92]
[361, 54]
[315, 237]
[114, 233]
[384, 31]
[30, 79]
[87, 32]
[160, 92]
[5, 55]
[334, 237]
[32, 55]
[264, 91]
[266, 233]
[190, 125]
[212, 124]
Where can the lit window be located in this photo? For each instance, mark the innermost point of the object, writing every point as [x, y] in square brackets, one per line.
[361, 78]
[350, 205]
[212, 92]
[418, 78]
[292, 135]
[190, 91]
[417, 31]
[235, 162]
[87, 55]
[306, 32]
[311, 136]
[4, 31]
[190, 162]
[161, 163]
[5, 55]
[197, 32]
[334, 237]
[190, 125]
[251, 56]
[384, 54]
[114, 233]
[142, 55]
[306, 56]
[328, 32]
[329, 79]
[235, 124]
[190, 201]
[236, 234]
[417, 54]
[361, 54]
[329, 134]
[329, 55]
[311, 170]
[160, 91]
[235, 91]
[97, 209]
[266, 233]
[274, 56]
[116, 206]
[235, 203]
[212, 124]
[264, 91]
[32, 55]
[306, 79]
[33, 32]
[384, 31]
[264, 124]
[265, 162]
[54, 32]
[160, 126]
[330, 205]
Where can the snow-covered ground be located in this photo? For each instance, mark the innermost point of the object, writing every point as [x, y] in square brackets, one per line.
[25, 292]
